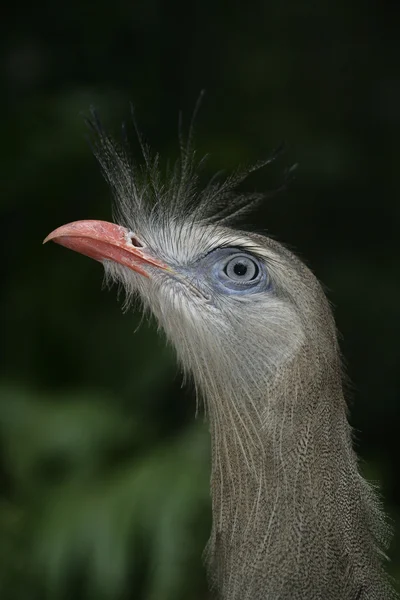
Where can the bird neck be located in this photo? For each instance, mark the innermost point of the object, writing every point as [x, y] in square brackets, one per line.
[292, 516]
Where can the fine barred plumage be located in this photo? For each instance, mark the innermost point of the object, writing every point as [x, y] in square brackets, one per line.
[293, 519]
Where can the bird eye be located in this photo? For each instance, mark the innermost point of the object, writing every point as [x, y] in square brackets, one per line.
[242, 269]
[236, 271]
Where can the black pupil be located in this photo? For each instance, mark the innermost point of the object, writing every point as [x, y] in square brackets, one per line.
[240, 269]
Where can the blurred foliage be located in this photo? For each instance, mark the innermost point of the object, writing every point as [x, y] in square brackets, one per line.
[103, 470]
[92, 514]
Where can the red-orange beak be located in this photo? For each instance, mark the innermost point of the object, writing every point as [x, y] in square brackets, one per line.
[105, 241]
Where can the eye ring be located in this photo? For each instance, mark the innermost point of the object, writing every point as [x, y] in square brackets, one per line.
[237, 271]
[241, 269]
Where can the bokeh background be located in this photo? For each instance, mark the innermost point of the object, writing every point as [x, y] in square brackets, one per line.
[103, 467]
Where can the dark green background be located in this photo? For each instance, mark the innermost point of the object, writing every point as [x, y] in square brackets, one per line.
[103, 468]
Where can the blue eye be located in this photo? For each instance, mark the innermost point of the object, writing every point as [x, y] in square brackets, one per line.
[239, 272]
[242, 269]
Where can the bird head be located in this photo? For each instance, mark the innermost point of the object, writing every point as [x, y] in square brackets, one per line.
[237, 306]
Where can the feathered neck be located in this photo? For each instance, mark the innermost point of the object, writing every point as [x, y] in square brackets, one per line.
[293, 518]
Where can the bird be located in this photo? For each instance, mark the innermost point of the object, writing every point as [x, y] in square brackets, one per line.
[292, 516]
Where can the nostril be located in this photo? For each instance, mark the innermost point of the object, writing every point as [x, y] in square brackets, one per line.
[134, 241]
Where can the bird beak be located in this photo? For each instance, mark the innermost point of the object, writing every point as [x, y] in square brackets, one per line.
[105, 241]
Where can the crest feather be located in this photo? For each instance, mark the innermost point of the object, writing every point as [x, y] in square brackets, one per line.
[144, 187]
